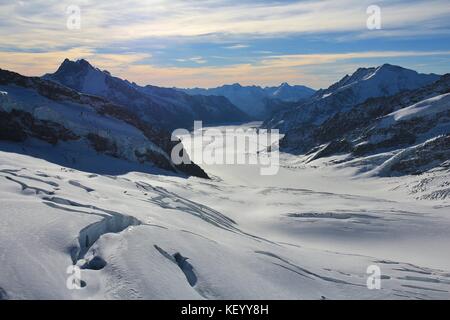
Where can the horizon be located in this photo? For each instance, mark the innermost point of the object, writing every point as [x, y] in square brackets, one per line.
[230, 84]
[211, 43]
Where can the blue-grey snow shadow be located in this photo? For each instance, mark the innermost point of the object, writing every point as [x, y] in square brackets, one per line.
[182, 263]
[81, 159]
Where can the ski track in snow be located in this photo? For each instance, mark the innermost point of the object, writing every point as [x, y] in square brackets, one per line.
[143, 236]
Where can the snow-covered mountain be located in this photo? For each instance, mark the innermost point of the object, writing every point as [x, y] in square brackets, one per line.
[288, 93]
[406, 133]
[33, 110]
[365, 83]
[385, 80]
[255, 100]
[165, 107]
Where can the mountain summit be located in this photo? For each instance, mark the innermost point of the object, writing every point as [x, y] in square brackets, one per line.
[386, 120]
[384, 80]
[80, 75]
[164, 107]
[351, 90]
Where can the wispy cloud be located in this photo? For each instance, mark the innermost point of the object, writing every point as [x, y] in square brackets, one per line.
[296, 60]
[312, 69]
[36, 64]
[43, 23]
[237, 46]
[116, 35]
[198, 60]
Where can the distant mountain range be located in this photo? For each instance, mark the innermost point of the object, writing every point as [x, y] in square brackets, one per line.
[164, 107]
[254, 100]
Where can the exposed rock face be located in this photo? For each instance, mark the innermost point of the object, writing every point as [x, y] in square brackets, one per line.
[398, 138]
[332, 148]
[42, 109]
[419, 159]
[432, 185]
[10, 128]
[103, 145]
[17, 125]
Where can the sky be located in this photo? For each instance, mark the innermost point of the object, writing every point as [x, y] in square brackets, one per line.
[208, 43]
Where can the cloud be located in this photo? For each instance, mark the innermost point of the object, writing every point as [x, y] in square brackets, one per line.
[296, 60]
[116, 35]
[43, 23]
[36, 64]
[198, 60]
[237, 46]
[310, 69]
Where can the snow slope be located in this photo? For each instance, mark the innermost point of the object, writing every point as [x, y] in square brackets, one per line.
[305, 233]
[426, 108]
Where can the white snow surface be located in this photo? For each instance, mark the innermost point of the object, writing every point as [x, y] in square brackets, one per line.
[307, 233]
[425, 108]
[384, 80]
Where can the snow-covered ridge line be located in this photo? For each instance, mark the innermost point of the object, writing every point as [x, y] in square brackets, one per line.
[163, 107]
